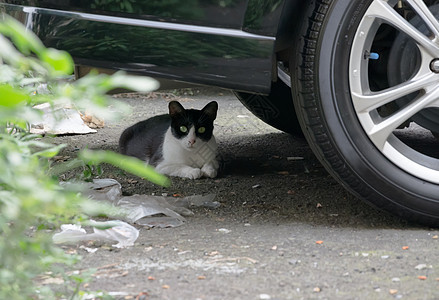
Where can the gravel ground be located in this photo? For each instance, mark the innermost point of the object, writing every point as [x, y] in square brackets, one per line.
[285, 229]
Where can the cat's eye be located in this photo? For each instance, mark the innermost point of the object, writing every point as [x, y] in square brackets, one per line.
[202, 130]
[183, 129]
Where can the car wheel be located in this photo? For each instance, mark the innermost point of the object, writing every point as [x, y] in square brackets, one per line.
[366, 86]
[275, 109]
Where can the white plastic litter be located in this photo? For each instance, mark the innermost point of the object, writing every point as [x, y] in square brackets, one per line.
[118, 231]
[151, 212]
[60, 120]
[105, 189]
[146, 210]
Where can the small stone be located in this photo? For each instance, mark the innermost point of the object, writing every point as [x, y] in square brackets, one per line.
[224, 230]
[435, 237]
[317, 290]
[385, 256]
[264, 297]
[393, 291]
[365, 254]
[213, 253]
[396, 279]
[421, 267]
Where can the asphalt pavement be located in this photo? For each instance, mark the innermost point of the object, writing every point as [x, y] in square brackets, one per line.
[284, 228]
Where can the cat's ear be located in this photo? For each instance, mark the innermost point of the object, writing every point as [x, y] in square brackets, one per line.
[175, 108]
[210, 110]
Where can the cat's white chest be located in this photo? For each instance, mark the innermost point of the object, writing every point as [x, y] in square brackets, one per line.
[178, 154]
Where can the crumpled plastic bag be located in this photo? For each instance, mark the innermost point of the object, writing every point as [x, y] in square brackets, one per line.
[124, 234]
[104, 189]
[146, 210]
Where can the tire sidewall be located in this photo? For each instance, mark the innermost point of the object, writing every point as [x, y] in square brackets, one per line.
[392, 188]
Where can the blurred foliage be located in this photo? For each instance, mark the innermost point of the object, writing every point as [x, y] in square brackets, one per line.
[31, 198]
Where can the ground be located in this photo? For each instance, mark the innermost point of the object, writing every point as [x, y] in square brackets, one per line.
[285, 229]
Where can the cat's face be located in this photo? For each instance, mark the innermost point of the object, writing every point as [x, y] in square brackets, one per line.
[192, 127]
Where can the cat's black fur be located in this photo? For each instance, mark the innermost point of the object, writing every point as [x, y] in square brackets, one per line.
[144, 140]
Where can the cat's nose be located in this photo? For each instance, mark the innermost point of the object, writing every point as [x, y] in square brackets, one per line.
[191, 142]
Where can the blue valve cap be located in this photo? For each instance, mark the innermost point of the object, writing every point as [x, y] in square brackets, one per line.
[374, 55]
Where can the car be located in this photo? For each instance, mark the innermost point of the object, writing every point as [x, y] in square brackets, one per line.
[359, 79]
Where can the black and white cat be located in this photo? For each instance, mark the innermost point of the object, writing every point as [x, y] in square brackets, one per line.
[180, 143]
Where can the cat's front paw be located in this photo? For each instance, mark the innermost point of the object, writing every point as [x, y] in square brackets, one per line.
[191, 173]
[209, 171]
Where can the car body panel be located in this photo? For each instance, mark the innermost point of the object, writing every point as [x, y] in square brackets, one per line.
[223, 43]
[221, 14]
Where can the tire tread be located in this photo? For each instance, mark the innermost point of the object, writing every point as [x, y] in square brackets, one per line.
[322, 144]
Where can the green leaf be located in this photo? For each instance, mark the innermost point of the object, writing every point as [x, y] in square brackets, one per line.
[10, 55]
[11, 97]
[26, 41]
[101, 225]
[127, 163]
[134, 83]
[51, 152]
[61, 168]
[60, 61]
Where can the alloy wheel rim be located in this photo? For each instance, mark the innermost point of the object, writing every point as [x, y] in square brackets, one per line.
[368, 103]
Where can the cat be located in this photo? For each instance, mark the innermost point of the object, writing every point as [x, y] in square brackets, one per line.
[179, 144]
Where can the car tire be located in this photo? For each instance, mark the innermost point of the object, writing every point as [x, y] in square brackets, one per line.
[370, 151]
[275, 109]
